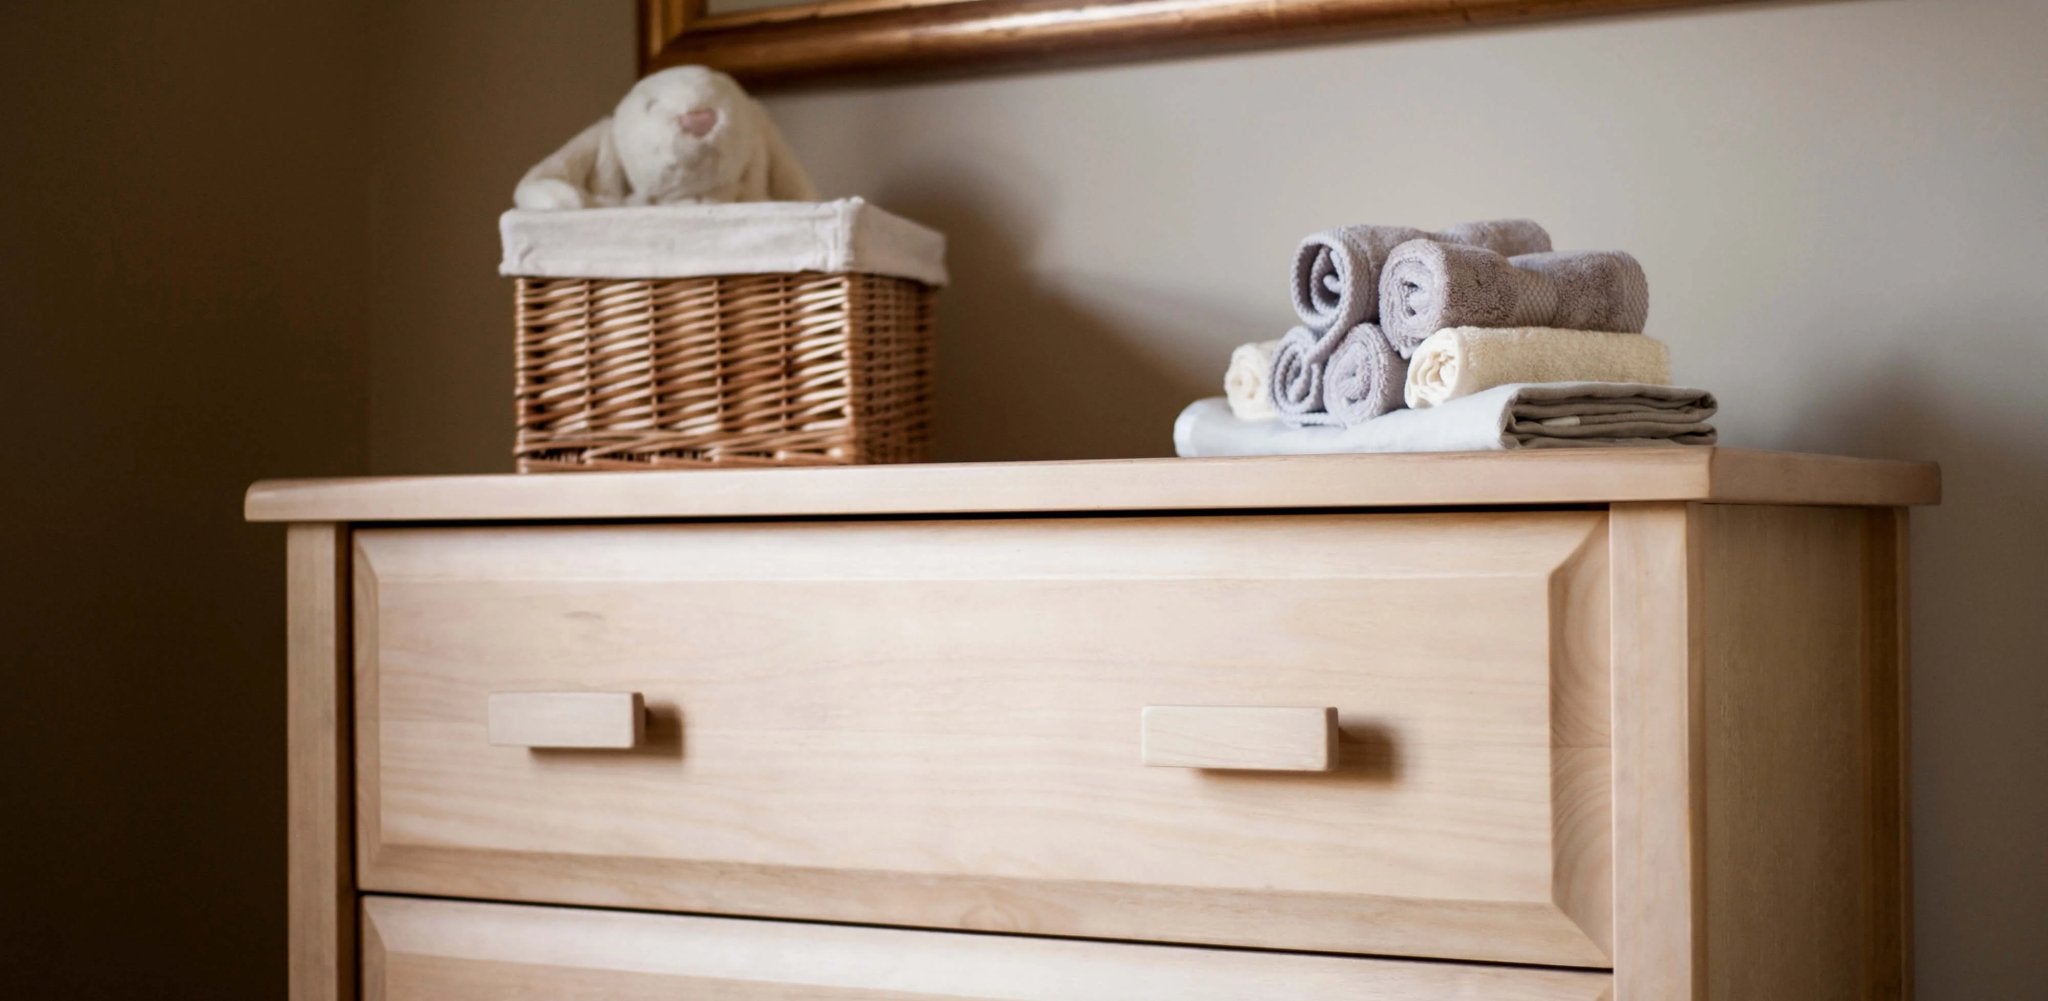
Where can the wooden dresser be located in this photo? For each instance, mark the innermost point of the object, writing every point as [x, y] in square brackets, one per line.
[1526, 727]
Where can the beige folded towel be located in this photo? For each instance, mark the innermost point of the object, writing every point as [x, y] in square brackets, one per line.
[1247, 384]
[1461, 361]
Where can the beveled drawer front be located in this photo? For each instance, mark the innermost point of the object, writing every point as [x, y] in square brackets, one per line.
[440, 950]
[943, 724]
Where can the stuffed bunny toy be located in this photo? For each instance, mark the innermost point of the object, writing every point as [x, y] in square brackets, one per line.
[687, 134]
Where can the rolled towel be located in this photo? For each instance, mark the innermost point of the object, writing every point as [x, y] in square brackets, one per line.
[1596, 290]
[1337, 272]
[1297, 378]
[1515, 416]
[1364, 377]
[1460, 361]
[1510, 237]
[1247, 383]
[1429, 285]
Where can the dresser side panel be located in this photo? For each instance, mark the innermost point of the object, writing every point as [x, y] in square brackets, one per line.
[320, 888]
[1889, 762]
[1804, 836]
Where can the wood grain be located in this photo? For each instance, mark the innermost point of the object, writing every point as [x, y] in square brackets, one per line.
[1250, 738]
[936, 724]
[564, 720]
[1591, 476]
[1803, 773]
[1659, 807]
[428, 950]
[867, 38]
[1760, 831]
[320, 887]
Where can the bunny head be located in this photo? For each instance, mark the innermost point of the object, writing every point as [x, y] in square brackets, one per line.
[687, 134]
[691, 134]
[683, 133]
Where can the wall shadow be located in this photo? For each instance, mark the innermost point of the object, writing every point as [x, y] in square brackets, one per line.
[1979, 668]
[1045, 377]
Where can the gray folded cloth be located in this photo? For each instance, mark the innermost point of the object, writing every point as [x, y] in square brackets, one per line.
[1515, 416]
[1337, 272]
[1364, 378]
[1429, 285]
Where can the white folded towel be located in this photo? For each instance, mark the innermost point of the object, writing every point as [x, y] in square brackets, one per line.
[1461, 361]
[1518, 415]
[1247, 383]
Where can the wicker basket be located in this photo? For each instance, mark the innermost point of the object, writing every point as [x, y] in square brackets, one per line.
[803, 367]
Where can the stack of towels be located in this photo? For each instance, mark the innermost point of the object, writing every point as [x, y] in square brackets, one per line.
[1479, 337]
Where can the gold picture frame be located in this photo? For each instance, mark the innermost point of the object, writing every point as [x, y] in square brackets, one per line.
[827, 39]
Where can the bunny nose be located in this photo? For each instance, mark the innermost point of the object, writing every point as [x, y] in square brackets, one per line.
[698, 122]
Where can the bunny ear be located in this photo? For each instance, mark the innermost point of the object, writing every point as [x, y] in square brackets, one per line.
[787, 181]
[573, 176]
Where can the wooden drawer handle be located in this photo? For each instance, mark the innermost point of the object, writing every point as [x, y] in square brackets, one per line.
[565, 719]
[1256, 738]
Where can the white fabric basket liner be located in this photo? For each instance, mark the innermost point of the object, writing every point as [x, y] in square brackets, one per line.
[739, 238]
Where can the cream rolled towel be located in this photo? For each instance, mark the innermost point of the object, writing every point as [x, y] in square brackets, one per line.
[1247, 383]
[1460, 361]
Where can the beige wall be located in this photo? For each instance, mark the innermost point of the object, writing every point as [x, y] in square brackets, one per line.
[181, 220]
[1843, 208]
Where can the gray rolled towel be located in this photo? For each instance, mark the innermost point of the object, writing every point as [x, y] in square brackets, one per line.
[1337, 272]
[1365, 377]
[1429, 285]
[1335, 281]
[1297, 380]
[1595, 290]
[1508, 237]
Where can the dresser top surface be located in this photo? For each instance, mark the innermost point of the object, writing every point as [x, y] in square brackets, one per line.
[1478, 479]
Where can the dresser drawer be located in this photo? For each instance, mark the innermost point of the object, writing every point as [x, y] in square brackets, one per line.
[945, 724]
[437, 950]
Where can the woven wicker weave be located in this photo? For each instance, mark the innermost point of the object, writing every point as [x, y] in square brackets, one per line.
[801, 368]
